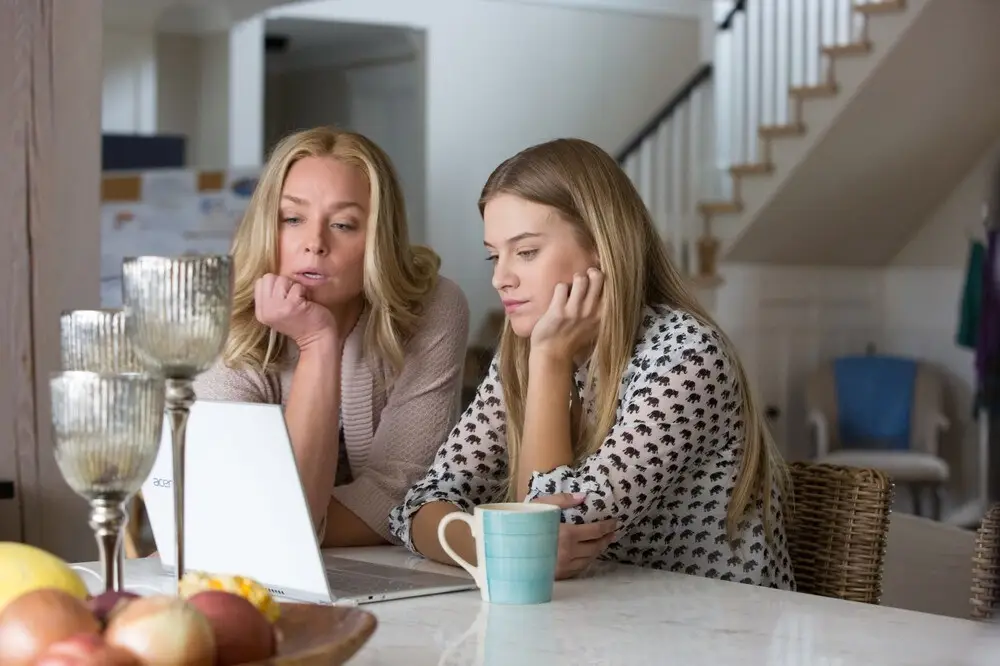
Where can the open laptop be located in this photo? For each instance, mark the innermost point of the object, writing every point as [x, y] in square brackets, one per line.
[246, 514]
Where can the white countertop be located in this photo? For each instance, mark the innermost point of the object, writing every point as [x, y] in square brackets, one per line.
[629, 615]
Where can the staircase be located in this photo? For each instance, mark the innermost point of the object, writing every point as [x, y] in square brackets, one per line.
[824, 132]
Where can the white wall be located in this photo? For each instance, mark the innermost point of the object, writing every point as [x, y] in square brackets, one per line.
[943, 241]
[304, 98]
[181, 84]
[502, 76]
[381, 101]
[246, 93]
[171, 84]
[178, 57]
[923, 294]
[787, 320]
[129, 96]
[212, 131]
[386, 103]
[216, 81]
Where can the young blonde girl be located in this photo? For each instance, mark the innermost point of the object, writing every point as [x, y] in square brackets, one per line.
[613, 393]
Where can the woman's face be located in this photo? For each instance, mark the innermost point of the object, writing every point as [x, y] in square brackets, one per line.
[532, 249]
[322, 226]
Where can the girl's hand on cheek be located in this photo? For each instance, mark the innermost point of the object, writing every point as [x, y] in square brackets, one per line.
[569, 326]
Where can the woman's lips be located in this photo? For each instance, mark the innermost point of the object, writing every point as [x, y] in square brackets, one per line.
[311, 277]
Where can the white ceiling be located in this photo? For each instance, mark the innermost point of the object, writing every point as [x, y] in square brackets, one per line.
[305, 35]
[311, 43]
[335, 43]
[199, 16]
[186, 16]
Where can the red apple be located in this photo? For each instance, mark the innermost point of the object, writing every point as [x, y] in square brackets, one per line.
[36, 620]
[86, 650]
[242, 634]
[163, 630]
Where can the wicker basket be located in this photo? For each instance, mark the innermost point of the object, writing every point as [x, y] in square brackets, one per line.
[986, 566]
[837, 530]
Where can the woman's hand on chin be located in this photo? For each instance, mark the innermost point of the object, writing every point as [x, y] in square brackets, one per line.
[569, 326]
[282, 304]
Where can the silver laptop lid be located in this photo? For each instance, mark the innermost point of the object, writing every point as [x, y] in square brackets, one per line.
[246, 512]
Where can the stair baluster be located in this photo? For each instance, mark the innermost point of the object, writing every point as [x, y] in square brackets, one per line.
[689, 162]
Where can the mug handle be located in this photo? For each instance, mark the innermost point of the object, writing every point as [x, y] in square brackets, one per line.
[475, 572]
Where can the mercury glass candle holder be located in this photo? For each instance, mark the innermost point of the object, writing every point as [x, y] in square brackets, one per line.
[95, 341]
[107, 430]
[177, 312]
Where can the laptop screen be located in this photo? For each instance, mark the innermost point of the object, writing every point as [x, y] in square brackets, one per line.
[245, 510]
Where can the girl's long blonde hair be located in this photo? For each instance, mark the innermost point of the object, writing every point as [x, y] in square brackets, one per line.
[398, 277]
[591, 192]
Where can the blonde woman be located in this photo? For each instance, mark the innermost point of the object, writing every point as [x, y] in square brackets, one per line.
[338, 318]
[613, 393]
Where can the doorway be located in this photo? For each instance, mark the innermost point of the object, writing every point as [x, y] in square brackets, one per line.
[366, 78]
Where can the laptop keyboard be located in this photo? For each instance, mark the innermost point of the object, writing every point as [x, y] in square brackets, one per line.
[352, 578]
[345, 584]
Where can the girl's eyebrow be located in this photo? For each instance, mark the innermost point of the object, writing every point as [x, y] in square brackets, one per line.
[518, 238]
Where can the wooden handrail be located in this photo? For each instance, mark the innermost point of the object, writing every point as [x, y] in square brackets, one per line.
[703, 74]
[727, 23]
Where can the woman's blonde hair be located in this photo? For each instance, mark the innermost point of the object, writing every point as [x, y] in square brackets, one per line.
[398, 277]
[589, 190]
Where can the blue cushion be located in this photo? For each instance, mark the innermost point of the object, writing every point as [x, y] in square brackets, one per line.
[874, 401]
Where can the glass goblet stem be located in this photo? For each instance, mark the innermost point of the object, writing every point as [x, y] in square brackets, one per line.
[107, 520]
[180, 396]
[119, 560]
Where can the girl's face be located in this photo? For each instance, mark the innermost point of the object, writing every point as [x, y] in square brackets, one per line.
[532, 249]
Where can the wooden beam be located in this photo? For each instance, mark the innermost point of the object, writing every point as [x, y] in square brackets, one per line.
[17, 400]
[50, 161]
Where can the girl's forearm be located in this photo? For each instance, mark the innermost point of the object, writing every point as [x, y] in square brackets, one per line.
[546, 442]
[424, 532]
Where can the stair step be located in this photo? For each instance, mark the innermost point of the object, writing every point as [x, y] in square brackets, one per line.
[811, 92]
[751, 169]
[774, 131]
[705, 281]
[720, 207]
[855, 48]
[881, 7]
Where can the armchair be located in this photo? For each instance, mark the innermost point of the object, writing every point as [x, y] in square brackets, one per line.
[882, 412]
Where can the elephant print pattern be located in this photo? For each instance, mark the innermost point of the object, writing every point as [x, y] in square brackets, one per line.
[665, 471]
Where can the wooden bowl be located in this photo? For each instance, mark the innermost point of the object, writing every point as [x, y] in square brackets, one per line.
[312, 635]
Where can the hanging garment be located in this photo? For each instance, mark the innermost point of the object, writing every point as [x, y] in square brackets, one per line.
[988, 337]
[972, 297]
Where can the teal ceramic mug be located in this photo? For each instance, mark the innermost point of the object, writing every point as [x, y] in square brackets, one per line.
[516, 547]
